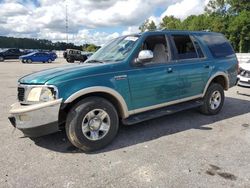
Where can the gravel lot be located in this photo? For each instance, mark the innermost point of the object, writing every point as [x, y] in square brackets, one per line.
[186, 149]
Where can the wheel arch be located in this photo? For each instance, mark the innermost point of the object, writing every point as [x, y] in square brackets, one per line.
[109, 94]
[220, 78]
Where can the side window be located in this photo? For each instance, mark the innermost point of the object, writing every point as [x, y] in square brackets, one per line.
[184, 47]
[198, 49]
[159, 46]
[218, 45]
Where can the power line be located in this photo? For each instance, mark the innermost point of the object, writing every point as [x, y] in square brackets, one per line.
[66, 22]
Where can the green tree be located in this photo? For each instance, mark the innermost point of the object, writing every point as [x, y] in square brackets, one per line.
[29, 43]
[216, 6]
[148, 26]
[170, 22]
[231, 17]
[239, 29]
[197, 23]
[90, 48]
[237, 6]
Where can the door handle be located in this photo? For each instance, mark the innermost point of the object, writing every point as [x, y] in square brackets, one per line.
[169, 70]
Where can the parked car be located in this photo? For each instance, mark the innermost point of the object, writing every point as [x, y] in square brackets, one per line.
[53, 54]
[72, 55]
[38, 57]
[132, 79]
[244, 74]
[12, 53]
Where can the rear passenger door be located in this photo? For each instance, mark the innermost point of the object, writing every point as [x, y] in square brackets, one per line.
[44, 57]
[194, 68]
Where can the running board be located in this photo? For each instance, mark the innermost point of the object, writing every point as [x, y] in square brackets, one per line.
[137, 118]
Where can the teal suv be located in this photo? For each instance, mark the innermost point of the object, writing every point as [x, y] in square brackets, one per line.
[131, 79]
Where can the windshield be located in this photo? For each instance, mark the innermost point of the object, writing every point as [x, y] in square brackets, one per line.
[32, 53]
[116, 50]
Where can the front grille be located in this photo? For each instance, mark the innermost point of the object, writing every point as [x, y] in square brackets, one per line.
[20, 93]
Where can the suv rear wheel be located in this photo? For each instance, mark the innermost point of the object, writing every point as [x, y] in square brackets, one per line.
[1, 59]
[213, 100]
[92, 124]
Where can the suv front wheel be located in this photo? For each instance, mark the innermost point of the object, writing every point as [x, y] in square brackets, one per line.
[213, 100]
[92, 123]
[69, 60]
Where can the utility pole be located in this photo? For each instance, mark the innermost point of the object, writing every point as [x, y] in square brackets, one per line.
[66, 22]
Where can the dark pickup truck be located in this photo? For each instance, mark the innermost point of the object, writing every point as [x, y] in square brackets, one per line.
[12, 53]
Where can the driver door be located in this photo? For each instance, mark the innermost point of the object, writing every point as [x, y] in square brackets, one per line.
[155, 83]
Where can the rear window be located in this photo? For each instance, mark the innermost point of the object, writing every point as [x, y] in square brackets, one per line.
[218, 45]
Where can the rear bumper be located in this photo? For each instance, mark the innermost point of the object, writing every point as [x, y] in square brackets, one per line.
[243, 81]
[36, 120]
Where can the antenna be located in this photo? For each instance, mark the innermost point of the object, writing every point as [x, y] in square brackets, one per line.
[66, 22]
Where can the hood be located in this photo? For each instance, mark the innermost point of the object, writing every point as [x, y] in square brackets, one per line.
[245, 66]
[44, 76]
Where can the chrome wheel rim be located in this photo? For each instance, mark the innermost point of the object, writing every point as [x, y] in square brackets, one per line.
[96, 124]
[215, 100]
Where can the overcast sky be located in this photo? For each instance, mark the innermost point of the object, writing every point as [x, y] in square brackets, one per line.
[90, 21]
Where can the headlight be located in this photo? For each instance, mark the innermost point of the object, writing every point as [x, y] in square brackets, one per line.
[42, 94]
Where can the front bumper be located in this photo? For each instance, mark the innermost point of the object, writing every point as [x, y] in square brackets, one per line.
[243, 81]
[37, 119]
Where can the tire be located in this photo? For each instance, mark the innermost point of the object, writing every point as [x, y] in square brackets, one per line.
[70, 60]
[84, 125]
[1, 58]
[23, 61]
[49, 61]
[29, 61]
[213, 100]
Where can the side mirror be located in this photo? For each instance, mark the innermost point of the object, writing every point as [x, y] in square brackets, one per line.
[145, 56]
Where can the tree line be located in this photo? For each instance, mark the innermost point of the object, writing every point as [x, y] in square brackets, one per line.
[29, 43]
[230, 17]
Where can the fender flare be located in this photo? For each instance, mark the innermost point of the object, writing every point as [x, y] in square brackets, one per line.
[214, 76]
[107, 90]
